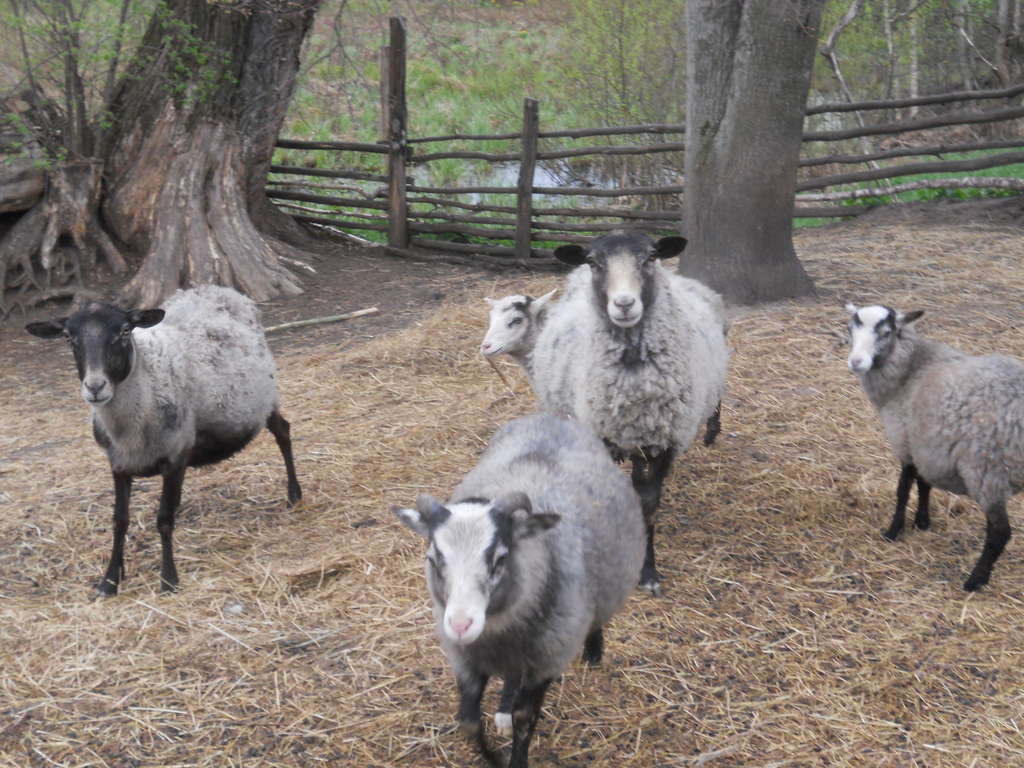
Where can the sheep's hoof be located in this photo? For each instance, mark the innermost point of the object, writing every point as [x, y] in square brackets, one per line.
[650, 584]
[974, 583]
[471, 728]
[503, 724]
[105, 588]
[892, 534]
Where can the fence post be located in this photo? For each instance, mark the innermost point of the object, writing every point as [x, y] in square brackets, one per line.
[398, 229]
[384, 81]
[524, 191]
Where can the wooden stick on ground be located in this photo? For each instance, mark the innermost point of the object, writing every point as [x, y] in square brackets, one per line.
[321, 320]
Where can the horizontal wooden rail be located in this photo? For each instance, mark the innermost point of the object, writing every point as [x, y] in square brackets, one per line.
[573, 133]
[620, 192]
[936, 149]
[919, 101]
[327, 174]
[491, 157]
[342, 146]
[913, 169]
[905, 126]
[641, 149]
[625, 130]
[303, 197]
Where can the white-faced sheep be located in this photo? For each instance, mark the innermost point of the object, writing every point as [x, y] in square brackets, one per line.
[538, 547]
[955, 421]
[515, 322]
[638, 353]
[183, 386]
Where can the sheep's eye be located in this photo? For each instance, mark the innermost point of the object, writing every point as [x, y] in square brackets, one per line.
[594, 264]
[515, 321]
[126, 329]
[499, 563]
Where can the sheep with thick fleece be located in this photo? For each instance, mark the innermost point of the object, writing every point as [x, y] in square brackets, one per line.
[955, 421]
[539, 545]
[183, 386]
[639, 354]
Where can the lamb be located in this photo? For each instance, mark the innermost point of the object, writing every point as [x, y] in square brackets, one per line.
[184, 386]
[955, 421]
[639, 354]
[515, 322]
[539, 545]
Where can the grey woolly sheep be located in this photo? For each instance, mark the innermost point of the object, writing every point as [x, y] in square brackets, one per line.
[638, 353]
[538, 547]
[955, 421]
[184, 386]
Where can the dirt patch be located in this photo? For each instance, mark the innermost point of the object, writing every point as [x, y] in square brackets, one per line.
[790, 633]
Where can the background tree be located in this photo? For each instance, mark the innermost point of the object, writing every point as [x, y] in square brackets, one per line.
[183, 145]
[749, 71]
[194, 123]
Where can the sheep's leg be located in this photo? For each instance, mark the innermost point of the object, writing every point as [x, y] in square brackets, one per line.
[713, 427]
[907, 475]
[593, 647]
[524, 722]
[281, 430]
[174, 477]
[922, 520]
[997, 533]
[471, 691]
[648, 477]
[503, 717]
[107, 586]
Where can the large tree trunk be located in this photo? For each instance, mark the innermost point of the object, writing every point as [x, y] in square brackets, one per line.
[749, 71]
[195, 121]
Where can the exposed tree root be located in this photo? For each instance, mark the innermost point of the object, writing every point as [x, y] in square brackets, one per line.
[57, 240]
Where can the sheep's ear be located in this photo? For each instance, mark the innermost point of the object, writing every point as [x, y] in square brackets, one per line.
[491, 302]
[412, 520]
[910, 317]
[47, 329]
[668, 247]
[525, 525]
[145, 318]
[851, 308]
[571, 254]
[424, 520]
[538, 304]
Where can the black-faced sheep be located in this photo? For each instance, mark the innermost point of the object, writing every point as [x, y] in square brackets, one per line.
[955, 421]
[538, 547]
[184, 386]
[638, 353]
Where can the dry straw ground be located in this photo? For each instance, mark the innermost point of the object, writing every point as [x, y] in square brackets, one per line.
[790, 633]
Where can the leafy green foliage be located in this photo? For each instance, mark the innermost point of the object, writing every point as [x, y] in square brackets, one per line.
[626, 60]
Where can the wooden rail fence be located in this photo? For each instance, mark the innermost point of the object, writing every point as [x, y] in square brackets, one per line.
[412, 214]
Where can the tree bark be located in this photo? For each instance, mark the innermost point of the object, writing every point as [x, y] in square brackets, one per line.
[194, 125]
[749, 68]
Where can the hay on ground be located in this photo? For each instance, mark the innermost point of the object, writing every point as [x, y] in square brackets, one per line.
[790, 633]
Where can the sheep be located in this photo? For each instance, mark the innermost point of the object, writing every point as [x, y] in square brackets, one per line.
[183, 386]
[955, 421]
[639, 354]
[538, 546]
[514, 323]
